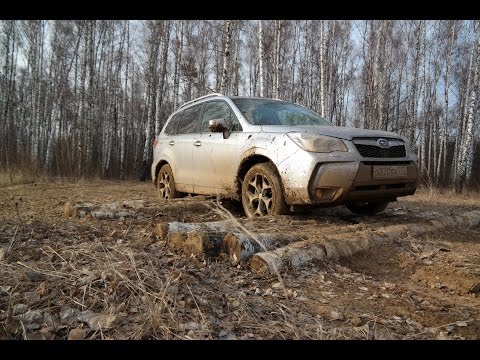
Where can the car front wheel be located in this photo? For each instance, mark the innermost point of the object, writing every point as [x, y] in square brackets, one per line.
[166, 183]
[262, 192]
[366, 207]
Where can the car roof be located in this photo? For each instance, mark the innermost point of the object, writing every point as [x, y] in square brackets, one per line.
[220, 96]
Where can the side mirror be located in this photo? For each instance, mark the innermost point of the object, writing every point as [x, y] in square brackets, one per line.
[219, 125]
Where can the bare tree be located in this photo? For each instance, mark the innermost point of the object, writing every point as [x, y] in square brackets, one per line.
[226, 55]
[466, 150]
[261, 55]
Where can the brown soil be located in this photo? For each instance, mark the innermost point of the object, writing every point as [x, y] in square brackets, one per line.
[113, 279]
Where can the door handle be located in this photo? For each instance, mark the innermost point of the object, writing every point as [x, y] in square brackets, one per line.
[171, 142]
[197, 143]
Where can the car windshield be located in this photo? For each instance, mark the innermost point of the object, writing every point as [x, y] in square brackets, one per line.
[274, 112]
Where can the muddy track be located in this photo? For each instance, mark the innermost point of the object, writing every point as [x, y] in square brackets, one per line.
[112, 278]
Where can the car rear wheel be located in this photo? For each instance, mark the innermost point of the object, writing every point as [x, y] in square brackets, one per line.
[262, 192]
[366, 207]
[166, 183]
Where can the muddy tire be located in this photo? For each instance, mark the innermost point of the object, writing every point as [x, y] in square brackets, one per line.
[262, 192]
[166, 183]
[366, 207]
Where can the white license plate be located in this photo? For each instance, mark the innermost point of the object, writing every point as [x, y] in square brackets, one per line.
[388, 172]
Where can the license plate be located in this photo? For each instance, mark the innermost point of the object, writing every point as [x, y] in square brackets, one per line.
[389, 172]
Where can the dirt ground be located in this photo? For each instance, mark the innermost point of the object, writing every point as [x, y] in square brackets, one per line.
[87, 278]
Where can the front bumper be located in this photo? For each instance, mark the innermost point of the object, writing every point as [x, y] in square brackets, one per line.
[333, 179]
[355, 181]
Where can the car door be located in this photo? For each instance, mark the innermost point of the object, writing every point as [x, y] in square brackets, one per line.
[216, 159]
[182, 148]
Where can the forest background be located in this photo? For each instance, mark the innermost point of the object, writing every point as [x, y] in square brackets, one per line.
[85, 98]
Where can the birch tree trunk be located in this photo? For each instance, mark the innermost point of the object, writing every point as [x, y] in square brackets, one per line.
[178, 59]
[466, 158]
[123, 124]
[414, 101]
[151, 99]
[7, 89]
[443, 136]
[278, 39]
[226, 56]
[261, 56]
[463, 120]
[159, 122]
[423, 122]
[236, 65]
[322, 71]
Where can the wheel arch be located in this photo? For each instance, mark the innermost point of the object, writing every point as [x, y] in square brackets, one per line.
[247, 163]
[157, 170]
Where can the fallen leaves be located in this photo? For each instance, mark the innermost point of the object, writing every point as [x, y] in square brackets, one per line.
[34, 275]
[97, 321]
[77, 334]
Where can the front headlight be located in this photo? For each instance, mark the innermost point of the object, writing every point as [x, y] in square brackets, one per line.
[317, 143]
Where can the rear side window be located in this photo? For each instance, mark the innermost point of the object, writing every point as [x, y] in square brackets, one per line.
[190, 120]
[171, 128]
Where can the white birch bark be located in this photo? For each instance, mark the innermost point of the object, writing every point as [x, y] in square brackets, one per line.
[123, 125]
[463, 120]
[414, 100]
[443, 134]
[236, 65]
[226, 56]
[261, 56]
[278, 39]
[151, 99]
[322, 71]
[161, 78]
[424, 126]
[466, 157]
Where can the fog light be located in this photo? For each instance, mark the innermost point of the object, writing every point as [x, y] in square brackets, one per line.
[325, 194]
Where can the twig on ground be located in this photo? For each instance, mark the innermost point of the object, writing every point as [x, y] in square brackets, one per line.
[222, 211]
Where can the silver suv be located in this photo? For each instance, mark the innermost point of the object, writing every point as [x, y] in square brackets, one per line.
[274, 154]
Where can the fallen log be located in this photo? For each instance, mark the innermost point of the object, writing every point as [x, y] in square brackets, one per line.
[114, 210]
[200, 239]
[240, 247]
[204, 244]
[333, 247]
[130, 208]
[296, 254]
[303, 252]
[165, 229]
[77, 210]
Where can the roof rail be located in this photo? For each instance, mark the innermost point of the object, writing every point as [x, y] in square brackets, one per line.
[199, 98]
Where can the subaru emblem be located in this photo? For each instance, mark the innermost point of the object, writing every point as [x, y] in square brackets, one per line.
[383, 143]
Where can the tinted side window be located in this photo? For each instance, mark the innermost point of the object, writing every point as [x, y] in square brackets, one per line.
[171, 127]
[190, 120]
[220, 110]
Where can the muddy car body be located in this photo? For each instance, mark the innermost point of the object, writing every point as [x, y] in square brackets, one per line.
[273, 154]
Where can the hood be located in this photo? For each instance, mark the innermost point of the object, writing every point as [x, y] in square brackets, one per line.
[346, 133]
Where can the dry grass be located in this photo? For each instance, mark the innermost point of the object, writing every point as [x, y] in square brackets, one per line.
[120, 282]
[447, 196]
[121, 291]
[13, 177]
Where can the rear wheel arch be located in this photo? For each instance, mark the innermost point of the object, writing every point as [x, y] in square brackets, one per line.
[166, 183]
[157, 169]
